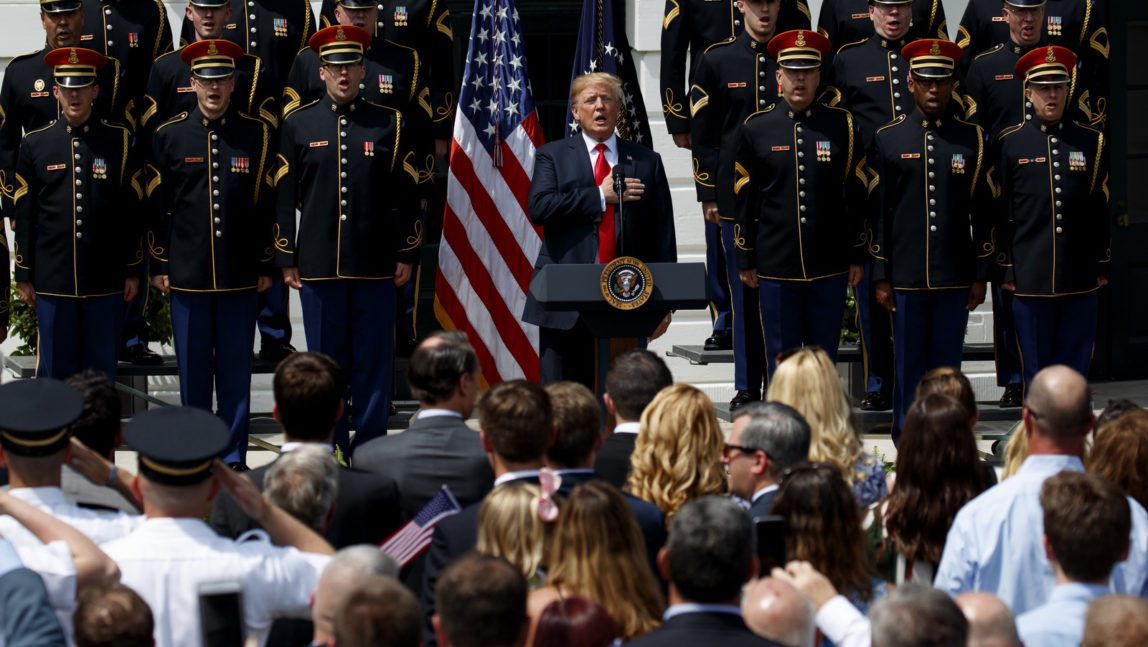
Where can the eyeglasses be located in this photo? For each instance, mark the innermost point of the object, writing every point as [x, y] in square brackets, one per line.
[809, 467]
[748, 451]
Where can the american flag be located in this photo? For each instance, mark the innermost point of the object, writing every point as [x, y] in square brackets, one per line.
[602, 49]
[415, 536]
[488, 248]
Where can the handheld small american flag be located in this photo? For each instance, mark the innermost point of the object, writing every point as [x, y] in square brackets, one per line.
[414, 537]
[486, 257]
[601, 48]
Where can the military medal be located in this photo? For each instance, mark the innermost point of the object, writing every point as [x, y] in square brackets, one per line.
[386, 83]
[369, 149]
[280, 25]
[99, 169]
[1055, 26]
[958, 163]
[823, 151]
[1077, 161]
[400, 16]
[133, 40]
[240, 165]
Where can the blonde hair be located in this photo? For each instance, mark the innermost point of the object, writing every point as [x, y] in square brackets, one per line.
[677, 452]
[599, 553]
[808, 382]
[508, 527]
[1015, 451]
[595, 78]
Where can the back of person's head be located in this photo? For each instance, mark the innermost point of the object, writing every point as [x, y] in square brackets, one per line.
[677, 452]
[304, 482]
[480, 601]
[517, 420]
[991, 622]
[823, 526]
[1058, 403]
[1116, 621]
[775, 610]
[916, 615]
[710, 553]
[379, 612]
[575, 621]
[1087, 521]
[509, 527]
[1120, 453]
[598, 551]
[577, 424]
[634, 380]
[1114, 410]
[309, 388]
[778, 430]
[951, 382]
[99, 424]
[348, 568]
[936, 447]
[112, 615]
[438, 364]
[808, 381]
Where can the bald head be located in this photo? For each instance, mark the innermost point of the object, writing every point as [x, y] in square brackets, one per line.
[1116, 621]
[1058, 404]
[776, 610]
[991, 623]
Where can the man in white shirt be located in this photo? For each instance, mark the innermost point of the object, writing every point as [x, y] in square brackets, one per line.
[174, 552]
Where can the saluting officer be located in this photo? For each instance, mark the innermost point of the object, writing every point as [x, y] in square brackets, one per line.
[27, 102]
[847, 21]
[1055, 246]
[210, 242]
[78, 243]
[799, 195]
[351, 249]
[272, 30]
[930, 193]
[136, 33]
[872, 80]
[423, 25]
[733, 79]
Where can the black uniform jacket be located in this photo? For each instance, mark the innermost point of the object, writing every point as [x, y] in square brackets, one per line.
[1054, 207]
[734, 79]
[847, 21]
[210, 200]
[930, 192]
[799, 193]
[352, 171]
[134, 32]
[873, 82]
[78, 216]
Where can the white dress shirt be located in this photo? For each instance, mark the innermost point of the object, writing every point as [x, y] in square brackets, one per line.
[611, 156]
[98, 525]
[165, 560]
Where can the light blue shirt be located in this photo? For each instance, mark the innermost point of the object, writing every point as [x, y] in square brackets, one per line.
[1061, 620]
[995, 543]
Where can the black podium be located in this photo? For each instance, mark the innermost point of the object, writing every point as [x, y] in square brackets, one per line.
[578, 288]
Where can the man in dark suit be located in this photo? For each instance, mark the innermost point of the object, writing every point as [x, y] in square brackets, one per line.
[515, 420]
[577, 420]
[438, 449]
[767, 438]
[631, 384]
[709, 556]
[308, 391]
[572, 198]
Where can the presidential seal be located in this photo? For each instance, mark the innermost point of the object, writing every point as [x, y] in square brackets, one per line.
[626, 283]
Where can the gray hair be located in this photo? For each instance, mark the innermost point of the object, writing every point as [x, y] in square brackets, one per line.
[304, 483]
[778, 430]
[915, 615]
[358, 562]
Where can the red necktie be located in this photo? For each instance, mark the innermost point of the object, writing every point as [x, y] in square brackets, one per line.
[607, 247]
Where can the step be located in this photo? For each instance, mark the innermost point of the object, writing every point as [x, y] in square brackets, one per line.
[846, 354]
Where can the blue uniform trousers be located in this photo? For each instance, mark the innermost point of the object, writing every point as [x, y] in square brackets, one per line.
[134, 328]
[274, 317]
[717, 279]
[801, 313]
[352, 320]
[876, 326]
[1005, 350]
[928, 332]
[748, 341]
[1055, 330]
[214, 334]
[77, 333]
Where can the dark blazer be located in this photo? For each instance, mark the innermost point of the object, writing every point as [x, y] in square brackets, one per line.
[692, 629]
[763, 505]
[650, 519]
[564, 201]
[613, 461]
[366, 509]
[26, 615]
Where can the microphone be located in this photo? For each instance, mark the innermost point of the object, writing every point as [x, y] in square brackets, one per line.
[619, 180]
[620, 188]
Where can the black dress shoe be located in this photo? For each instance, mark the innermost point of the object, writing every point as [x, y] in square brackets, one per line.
[876, 401]
[140, 355]
[238, 466]
[742, 398]
[720, 340]
[1013, 394]
[275, 350]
